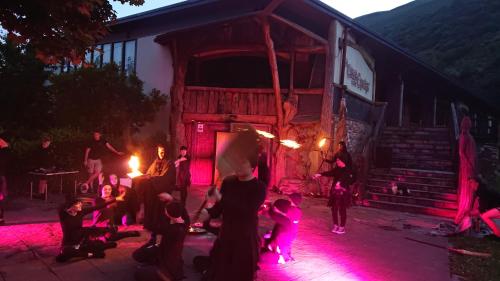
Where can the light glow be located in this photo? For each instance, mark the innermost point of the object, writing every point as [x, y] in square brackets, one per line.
[290, 143]
[134, 164]
[322, 142]
[265, 134]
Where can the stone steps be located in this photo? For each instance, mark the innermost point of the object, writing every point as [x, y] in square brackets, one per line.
[416, 173]
[409, 208]
[412, 185]
[417, 193]
[438, 165]
[414, 179]
[413, 200]
[421, 162]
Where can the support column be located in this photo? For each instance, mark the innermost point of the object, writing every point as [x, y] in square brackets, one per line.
[177, 129]
[278, 169]
[434, 112]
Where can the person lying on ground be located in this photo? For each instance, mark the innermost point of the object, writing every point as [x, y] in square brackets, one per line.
[487, 204]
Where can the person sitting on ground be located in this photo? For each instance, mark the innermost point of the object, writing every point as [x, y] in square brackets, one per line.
[94, 152]
[168, 255]
[105, 215]
[487, 204]
[45, 163]
[77, 241]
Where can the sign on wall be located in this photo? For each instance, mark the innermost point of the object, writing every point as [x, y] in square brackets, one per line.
[358, 77]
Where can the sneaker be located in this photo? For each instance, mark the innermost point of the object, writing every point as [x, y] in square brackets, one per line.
[340, 230]
[335, 228]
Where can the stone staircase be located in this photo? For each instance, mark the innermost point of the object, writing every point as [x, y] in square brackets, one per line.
[421, 163]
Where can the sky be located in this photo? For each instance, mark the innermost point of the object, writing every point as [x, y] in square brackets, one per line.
[351, 8]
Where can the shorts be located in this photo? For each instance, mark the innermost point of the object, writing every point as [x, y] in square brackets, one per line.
[94, 166]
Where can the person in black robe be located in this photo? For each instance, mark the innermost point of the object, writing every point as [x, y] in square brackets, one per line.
[166, 258]
[4, 161]
[235, 253]
[154, 189]
[262, 168]
[183, 179]
[77, 240]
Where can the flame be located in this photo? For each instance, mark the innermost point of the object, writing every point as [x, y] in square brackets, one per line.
[290, 143]
[265, 134]
[322, 142]
[134, 164]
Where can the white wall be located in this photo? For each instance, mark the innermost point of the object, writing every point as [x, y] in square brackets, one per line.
[154, 67]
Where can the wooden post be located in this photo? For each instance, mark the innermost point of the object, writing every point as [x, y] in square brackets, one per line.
[327, 102]
[273, 63]
[177, 129]
[278, 168]
[434, 112]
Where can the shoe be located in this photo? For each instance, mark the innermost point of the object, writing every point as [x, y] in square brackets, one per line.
[97, 255]
[341, 230]
[335, 228]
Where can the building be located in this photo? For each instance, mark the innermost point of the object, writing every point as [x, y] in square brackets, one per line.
[284, 66]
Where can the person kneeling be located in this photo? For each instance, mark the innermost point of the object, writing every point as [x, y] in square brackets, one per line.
[165, 261]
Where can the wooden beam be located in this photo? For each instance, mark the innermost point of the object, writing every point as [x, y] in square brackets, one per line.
[262, 119]
[272, 6]
[300, 29]
[238, 90]
[312, 91]
[327, 102]
[177, 129]
[273, 63]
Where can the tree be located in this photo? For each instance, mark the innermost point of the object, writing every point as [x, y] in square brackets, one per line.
[24, 103]
[58, 29]
[106, 98]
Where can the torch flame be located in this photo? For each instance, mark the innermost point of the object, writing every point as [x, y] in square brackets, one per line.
[322, 142]
[265, 134]
[290, 143]
[134, 164]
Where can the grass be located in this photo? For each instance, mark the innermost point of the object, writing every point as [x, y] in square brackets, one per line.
[476, 268]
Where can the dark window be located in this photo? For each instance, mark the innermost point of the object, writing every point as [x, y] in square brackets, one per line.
[106, 54]
[235, 72]
[118, 53]
[129, 65]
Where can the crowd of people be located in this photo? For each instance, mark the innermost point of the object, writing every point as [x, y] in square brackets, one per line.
[239, 201]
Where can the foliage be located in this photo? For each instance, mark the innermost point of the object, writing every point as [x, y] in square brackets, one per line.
[24, 103]
[58, 29]
[474, 268]
[459, 37]
[103, 98]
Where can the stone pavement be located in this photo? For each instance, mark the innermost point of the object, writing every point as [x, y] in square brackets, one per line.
[375, 247]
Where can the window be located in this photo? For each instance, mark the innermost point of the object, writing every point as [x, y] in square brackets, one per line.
[88, 57]
[106, 54]
[118, 53]
[97, 56]
[129, 63]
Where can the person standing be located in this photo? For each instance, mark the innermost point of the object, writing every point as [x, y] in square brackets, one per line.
[94, 152]
[467, 170]
[44, 163]
[262, 167]
[340, 196]
[235, 253]
[154, 189]
[4, 145]
[183, 179]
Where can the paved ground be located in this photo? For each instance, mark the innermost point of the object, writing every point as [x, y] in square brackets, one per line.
[375, 247]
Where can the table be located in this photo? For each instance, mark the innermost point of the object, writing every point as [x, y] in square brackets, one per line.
[60, 174]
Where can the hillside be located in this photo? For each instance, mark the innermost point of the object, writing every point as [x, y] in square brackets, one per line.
[459, 37]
